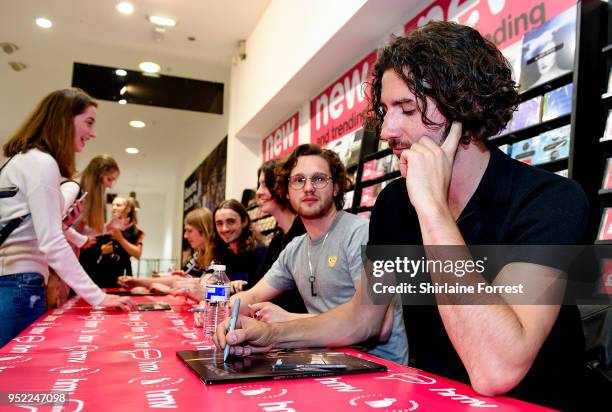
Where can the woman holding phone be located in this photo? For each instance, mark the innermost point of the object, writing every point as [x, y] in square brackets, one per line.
[40, 154]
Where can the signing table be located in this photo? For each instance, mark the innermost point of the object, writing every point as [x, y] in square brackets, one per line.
[108, 360]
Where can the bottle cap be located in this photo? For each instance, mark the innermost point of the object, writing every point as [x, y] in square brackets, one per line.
[219, 268]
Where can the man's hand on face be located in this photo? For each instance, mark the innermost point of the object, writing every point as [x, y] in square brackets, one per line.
[250, 336]
[428, 167]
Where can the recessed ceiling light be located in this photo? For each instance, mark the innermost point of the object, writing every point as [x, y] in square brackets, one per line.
[137, 124]
[125, 8]
[122, 101]
[44, 23]
[132, 150]
[149, 67]
[123, 90]
[162, 21]
[120, 72]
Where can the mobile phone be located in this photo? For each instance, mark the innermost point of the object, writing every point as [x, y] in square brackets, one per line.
[69, 218]
[153, 306]
[9, 191]
[82, 198]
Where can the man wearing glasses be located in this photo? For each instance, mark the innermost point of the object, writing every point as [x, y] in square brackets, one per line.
[324, 264]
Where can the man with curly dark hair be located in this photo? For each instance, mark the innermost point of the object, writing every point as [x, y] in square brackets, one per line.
[436, 95]
[324, 264]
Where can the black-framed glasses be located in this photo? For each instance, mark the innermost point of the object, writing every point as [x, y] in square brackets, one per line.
[318, 181]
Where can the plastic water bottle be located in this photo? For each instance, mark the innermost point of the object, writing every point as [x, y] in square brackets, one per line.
[216, 297]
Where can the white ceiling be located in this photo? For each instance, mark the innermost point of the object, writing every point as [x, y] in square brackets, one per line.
[93, 32]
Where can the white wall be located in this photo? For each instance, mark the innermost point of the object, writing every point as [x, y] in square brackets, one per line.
[289, 33]
[296, 50]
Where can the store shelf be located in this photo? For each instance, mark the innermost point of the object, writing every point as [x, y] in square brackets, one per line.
[546, 87]
[554, 166]
[603, 242]
[260, 218]
[377, 155]
[268, 231]
[381, 179]
[362, 209]
[604, 192]
[607, 49]
[607, 99]
[531, 131]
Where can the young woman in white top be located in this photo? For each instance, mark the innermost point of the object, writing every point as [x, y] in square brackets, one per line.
[40, 153]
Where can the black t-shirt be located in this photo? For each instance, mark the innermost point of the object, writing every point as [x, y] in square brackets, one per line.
[242, 266]
[514, 204]
[105, 269]
[290, 300]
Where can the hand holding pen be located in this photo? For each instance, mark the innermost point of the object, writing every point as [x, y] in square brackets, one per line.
[232, 325]
[249, 336]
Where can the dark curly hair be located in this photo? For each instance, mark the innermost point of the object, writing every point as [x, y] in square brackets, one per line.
[269, 171]
[465, 74]
[338, 172]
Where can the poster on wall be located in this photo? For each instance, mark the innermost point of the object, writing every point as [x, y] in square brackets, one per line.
[205, 187]
[339, 109]
[282, 140]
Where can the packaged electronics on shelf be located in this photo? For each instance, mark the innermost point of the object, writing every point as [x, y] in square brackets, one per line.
[373, 169]
[607, 177]
[506, 148]
[347, 147]
[340, 146]
[266, 223]
[608, 130]
[527, 114]
[546, 147]
[348, 199]
[382, 145]
[354, 149]
[525, 150]
[554, 145]
[605, 228]
[557, 102]
[369, 194]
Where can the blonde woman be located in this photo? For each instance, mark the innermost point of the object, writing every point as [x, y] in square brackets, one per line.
[199, 234]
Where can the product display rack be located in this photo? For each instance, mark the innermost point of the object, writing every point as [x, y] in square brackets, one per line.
[594, 61]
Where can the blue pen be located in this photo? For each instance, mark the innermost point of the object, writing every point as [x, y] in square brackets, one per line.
[232, 326]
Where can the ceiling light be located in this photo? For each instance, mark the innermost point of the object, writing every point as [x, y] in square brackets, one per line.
[149, 67]
[137, 124]
[123, 90]
[122, 101]
[44, 23]
[132, 150]
[120, 72]
[125, 8]
[162, 21]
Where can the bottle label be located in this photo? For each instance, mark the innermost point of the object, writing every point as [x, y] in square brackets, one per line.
[217, 293]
